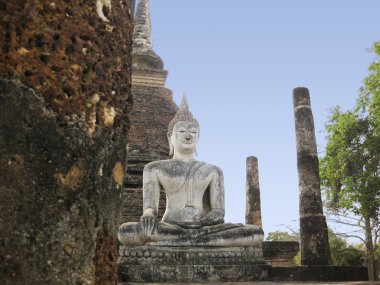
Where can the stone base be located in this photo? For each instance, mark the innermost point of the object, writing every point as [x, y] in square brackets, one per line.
[190, 264]
[280, 253]
[320, 273]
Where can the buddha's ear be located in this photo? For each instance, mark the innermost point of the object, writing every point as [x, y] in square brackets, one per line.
[170, 144]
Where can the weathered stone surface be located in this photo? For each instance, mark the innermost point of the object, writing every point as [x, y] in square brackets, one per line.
[67, 53]
[144, 56]
[325, 273]
[315, 248]
[200, 264]
[253, 202]
[194, 214]
[142, 35]
[64, 101]
[280, 253]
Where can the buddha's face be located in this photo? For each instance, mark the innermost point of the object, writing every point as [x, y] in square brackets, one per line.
[184, 138]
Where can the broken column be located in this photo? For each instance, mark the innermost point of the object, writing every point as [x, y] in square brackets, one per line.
[314, 244]
[253, 204]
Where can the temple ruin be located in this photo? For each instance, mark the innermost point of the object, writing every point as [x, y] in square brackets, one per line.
[315, 249]
[153, 108]
[83, 109]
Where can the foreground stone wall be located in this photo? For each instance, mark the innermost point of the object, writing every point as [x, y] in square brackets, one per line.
[65, 74]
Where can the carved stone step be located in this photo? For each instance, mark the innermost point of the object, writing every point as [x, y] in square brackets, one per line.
[191, 264]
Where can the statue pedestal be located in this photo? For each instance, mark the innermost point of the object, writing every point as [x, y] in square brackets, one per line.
[191, 264]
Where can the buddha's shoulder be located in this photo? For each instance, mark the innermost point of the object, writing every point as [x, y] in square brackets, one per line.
[170, 163]
[211, 167]
[158, 164]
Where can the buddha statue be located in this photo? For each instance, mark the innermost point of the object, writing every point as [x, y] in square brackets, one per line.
[194, 191]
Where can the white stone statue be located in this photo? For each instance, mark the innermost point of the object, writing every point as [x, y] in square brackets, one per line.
[195, 198]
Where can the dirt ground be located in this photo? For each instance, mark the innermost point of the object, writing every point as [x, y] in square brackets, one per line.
[264, 283]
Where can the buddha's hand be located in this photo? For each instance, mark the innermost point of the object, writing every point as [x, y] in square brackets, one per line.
[214, 217]
[147, 221]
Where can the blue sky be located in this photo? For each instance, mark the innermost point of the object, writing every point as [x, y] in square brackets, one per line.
[238, 62]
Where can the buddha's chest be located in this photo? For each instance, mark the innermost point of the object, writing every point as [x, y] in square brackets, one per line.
[185, 181]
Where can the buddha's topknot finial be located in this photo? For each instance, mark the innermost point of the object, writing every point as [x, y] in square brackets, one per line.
[183, 114]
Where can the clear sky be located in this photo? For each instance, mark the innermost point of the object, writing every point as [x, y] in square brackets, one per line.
[238, 61]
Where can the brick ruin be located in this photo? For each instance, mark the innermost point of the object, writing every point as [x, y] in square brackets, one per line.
[71, 138]
[153, 109]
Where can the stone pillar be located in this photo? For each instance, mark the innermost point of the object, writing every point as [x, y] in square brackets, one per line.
[314, 244]
[253, 204]
[65, 77]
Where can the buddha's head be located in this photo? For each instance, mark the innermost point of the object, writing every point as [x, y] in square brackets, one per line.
[183, 131]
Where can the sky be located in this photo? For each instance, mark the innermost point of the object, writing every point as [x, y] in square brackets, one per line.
[238, 62]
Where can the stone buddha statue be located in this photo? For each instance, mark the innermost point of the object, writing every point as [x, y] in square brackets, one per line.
[194, 191]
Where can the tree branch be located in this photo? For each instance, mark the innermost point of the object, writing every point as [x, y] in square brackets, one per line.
[348, 249]
[376, 236]
[348, 217]
[345, 223]
[350, 236]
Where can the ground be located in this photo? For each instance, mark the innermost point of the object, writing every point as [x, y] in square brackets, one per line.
[266, 283]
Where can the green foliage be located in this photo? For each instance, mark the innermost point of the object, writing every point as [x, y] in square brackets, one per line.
[350, 169]
[370, 93]
[377, 253]
[344, 254]
[297, 259]
[282, 236]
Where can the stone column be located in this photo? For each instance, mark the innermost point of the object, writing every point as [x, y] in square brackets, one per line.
[314, 244]
[253, 204]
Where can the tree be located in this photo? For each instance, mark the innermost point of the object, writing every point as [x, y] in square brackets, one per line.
[350, 169]
[283, 236]
[343, 253]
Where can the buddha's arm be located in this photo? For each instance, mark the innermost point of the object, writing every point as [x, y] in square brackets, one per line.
[216, 215]
[151, 194]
